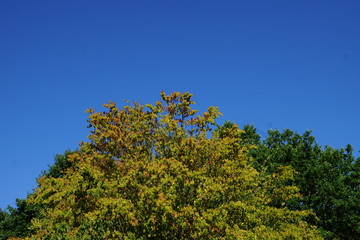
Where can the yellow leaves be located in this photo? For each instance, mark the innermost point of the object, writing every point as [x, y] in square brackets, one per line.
[90, 110]
[153, 171]
[212, 113]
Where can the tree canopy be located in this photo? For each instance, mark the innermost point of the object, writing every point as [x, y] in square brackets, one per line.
[161, 172]
[328, 178]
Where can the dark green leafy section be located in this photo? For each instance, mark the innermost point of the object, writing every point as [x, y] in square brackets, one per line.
[328, 178]
[15, 222]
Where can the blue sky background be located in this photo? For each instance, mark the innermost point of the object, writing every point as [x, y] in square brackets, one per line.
[276, 64]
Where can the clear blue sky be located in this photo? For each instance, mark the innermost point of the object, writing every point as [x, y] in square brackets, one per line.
[276, 64]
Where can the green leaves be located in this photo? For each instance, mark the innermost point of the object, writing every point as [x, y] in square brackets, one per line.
[327, 179]
[15, 222]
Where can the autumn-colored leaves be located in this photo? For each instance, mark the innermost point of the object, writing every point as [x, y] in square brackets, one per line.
[160, 172]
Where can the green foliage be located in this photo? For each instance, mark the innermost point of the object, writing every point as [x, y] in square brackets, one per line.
[60, 165]
[160, 172]
[328, 178]
[323, 178]
[15, 222]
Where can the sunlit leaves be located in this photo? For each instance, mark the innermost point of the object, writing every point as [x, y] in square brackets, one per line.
[161, 172]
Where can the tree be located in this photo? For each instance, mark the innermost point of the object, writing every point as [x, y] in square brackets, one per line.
[328, 178]
[160, 172]
[16, 221]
